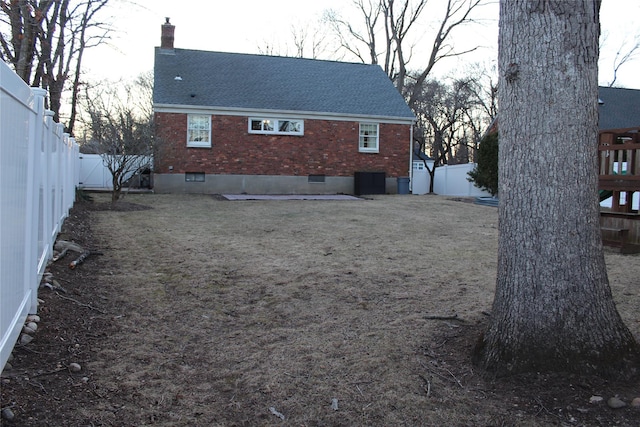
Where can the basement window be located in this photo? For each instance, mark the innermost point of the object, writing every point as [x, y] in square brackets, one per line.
[316, 178]
[276, 126]
[194, 177]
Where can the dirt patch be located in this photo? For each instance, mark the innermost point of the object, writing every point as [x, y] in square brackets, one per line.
[203, 312]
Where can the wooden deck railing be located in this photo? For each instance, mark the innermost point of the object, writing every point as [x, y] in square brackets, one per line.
[619, 164]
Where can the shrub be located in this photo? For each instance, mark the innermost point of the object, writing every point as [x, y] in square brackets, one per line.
[485, 174]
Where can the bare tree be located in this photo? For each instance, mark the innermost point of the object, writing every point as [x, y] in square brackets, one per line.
[553, 309]
[309, 41]
[451, 119]
[350, 38]
[45, 41]
[120, 128]
[269, 48]
[483, 106]
[393, 21]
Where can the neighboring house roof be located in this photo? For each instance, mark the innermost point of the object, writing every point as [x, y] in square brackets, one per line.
[419, 155]
[242, 82]
[619, 108]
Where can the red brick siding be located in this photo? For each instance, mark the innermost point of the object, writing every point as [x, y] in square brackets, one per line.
[327, 148]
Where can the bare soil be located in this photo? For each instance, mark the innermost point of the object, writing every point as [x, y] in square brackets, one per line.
[206, 312]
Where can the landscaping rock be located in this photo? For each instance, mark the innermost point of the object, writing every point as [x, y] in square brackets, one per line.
[596, 399]
[32, 325]
[33, 318]
[636, 402]
[616, 403]
[74, 367]
[25, 339]
[7, 414]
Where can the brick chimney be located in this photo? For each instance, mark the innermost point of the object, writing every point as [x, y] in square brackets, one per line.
[166, 41]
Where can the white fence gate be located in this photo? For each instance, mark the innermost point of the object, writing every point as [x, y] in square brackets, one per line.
[95, 175]
[38, 176]
[93, 172]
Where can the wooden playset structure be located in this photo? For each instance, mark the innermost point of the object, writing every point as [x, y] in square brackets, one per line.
[619, 178]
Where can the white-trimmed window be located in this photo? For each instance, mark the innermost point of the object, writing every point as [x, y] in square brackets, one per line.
[369, 142]
[198, 130]
[276, 126]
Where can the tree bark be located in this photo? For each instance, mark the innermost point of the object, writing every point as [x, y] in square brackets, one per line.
[553, 308]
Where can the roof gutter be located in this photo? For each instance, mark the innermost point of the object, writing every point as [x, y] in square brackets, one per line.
[311, 115]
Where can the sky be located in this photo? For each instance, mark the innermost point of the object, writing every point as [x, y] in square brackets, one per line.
[248, 26]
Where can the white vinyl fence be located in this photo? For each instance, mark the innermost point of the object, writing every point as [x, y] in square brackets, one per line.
[452, 181]
[38, 176]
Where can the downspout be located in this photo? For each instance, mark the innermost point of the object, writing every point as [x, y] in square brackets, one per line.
[411, 159]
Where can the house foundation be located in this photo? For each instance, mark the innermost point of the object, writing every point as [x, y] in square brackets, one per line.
[260, 184]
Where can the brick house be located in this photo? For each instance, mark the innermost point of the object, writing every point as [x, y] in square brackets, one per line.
[239, 123]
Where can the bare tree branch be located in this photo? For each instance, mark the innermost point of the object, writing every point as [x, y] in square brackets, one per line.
[86, 22]
[624, 55]
[307, 37]
[457, 13]
[398, 26]
[345, 32]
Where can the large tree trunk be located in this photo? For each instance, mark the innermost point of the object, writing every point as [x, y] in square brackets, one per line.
[553, 308]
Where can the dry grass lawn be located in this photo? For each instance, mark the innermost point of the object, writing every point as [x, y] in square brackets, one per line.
[311, 313]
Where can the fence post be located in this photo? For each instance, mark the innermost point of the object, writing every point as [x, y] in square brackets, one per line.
[33, 197]
[71, 165]
[66, 164]
[58, 181]
[47, 200]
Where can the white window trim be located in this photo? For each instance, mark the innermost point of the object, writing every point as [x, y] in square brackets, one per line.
[367, 149]
[276, 126]
[199, 144]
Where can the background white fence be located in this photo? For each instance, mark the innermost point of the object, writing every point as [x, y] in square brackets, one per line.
[452, 181]
[38, 176]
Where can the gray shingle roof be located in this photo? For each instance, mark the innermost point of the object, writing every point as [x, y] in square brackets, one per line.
[242, 81]
[619, 108]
